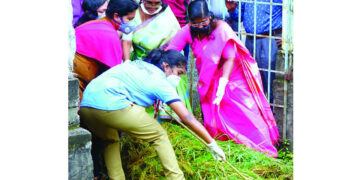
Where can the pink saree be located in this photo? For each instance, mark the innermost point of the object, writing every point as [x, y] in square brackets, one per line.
[99, 39]
[244, 115]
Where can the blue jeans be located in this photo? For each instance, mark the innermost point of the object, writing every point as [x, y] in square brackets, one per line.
[262, 59]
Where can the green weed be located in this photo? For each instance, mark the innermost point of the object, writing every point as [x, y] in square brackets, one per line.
[195, 160]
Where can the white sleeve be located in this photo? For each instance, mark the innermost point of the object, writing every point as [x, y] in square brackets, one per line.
[127, 37]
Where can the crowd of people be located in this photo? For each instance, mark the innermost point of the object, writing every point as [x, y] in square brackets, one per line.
[131, 57]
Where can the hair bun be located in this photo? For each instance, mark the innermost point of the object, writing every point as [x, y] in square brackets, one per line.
[171, 57]
[154, 56]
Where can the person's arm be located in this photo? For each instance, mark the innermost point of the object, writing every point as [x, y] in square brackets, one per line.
[227, 58]
[198, 128]
[178, 42]
[126, 46]
[190, 120]
[166, 93]
[228, 67]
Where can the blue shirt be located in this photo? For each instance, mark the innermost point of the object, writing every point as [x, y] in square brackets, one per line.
[262, 16]
[235, 14]
[136, 82]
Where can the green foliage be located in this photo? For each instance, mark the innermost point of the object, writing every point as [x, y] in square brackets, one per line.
[73, 127]
[284, 152]
[195, 160]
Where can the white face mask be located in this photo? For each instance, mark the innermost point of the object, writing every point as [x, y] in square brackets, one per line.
[101, 16]
[173, 80]
[147, 12]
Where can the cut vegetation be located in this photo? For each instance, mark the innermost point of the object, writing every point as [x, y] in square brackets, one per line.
[140, 161]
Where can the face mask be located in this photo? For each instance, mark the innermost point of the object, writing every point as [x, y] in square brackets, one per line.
[173, 80]
[126, 28]
[147, 12]
[101, 16]
[201, 30]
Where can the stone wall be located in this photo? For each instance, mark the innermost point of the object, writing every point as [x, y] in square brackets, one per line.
[278, 87]
[278, 92]
[80, 164]
[73, 102]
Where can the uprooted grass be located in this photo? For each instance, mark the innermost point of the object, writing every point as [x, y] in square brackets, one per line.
[195, 160]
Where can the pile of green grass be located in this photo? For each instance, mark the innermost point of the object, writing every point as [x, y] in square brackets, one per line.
[195, 160]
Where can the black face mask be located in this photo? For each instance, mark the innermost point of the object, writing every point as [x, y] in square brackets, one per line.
[204, 29]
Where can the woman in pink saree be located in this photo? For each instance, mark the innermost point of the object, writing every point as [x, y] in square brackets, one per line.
[230, 90]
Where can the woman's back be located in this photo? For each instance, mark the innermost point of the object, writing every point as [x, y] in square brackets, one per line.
[138, 82]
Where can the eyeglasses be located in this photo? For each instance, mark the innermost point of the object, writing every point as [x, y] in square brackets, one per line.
[149, 4]
[203, 23]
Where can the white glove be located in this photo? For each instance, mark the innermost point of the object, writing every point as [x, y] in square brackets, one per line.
[221, 90]
[216, 151]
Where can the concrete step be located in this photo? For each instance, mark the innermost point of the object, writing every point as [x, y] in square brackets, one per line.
[80, 164]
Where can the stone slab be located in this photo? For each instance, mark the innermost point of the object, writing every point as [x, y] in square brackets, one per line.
[80, 164]
[73, 117]
[73, 92]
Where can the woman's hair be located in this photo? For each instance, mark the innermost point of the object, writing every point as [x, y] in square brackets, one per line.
[122, 7]
[198, 9]
[90, 10]
[92, 5]
[172, 57]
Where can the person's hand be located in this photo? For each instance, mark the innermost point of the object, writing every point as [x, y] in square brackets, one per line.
[221, 90]
[216, 151]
